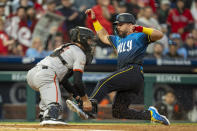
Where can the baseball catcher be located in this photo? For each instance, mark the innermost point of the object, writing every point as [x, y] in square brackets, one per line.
[66, 61]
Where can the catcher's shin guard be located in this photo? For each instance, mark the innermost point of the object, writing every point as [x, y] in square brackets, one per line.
[51, 115]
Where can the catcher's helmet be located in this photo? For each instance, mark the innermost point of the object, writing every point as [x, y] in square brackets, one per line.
[125, 18]
[81, 36]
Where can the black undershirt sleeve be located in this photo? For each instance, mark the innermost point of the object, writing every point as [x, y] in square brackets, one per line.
[69, 87]
[78, 84]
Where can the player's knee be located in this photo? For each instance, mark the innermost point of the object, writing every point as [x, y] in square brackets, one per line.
[116, 112]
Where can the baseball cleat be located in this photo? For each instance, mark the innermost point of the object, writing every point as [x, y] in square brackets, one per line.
[41, 115]
[52, 122]
[156, 117]
[75, 108]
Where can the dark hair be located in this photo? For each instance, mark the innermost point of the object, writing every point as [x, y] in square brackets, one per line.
[21, 7]
[184, 7]
[147, 7]
[181, 1]
[29, 7]
[122, 4]
[170, 90]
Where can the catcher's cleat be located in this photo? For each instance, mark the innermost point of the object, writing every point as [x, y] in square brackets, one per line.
[75, 108]
[41, 115]
[41, 118]
[51, 116]
[52, 122]
[156, 117]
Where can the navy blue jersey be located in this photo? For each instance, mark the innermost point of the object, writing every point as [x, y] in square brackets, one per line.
[131, 49]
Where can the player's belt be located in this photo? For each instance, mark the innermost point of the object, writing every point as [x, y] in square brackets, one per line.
[136, 65]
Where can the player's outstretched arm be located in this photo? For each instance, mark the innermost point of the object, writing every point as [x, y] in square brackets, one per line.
[78, 84]
[101, 32]
[153, 33]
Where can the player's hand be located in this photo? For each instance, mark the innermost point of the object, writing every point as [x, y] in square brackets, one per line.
[87, 105]
[90, 14]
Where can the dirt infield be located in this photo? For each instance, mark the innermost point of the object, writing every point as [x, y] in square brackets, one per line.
[98, 127]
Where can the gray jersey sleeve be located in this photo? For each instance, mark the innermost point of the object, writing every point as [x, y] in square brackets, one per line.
[79, 61]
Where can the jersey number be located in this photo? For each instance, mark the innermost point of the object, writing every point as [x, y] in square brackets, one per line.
[126, 46]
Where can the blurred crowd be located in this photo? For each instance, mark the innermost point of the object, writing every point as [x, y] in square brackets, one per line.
[19, 20]
[171, 107]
